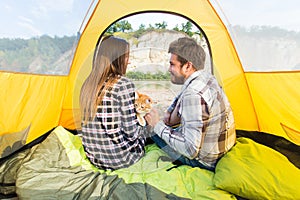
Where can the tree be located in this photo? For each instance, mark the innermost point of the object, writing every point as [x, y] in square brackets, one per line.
[148, 76]
[140, 31]
[176, 28]
[162, 25]
[120, 26]
[142, 27]
[150, 27]
[187, 28]
[125, 25]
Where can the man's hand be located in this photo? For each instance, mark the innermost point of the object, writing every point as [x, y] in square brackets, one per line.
[167, 117]
[172, 118]
[152, 117]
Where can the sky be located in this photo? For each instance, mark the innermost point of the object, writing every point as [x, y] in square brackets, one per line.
[28, 18]
[150, 18]
[284, 14]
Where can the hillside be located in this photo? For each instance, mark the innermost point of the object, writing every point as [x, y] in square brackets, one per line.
[42, 55]
[267, 48]
[258, 51]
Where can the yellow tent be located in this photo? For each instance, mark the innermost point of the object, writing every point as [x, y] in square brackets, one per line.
[264, 103]
[267, 101]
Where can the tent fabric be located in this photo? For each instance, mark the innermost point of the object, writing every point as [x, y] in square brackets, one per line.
[12, 142]
[276, 101]
[30, 100]
[201, 12]
[246, 91]
[260, 101]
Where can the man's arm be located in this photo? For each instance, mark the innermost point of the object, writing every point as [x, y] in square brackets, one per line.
[188, 137]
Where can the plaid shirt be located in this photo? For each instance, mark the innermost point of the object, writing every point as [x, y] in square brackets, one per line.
[113, 139]
[207, 129]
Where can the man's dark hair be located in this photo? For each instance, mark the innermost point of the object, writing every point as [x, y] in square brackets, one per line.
[188, 50]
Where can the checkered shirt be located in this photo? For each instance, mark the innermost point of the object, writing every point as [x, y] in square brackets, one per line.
[207, 129]
[114, 139]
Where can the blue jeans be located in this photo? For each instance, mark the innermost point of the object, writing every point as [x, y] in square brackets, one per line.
[176, 156]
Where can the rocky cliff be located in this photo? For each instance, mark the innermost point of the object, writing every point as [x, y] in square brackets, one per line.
[149, 53]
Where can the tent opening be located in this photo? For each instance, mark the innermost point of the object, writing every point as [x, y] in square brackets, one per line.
[149, 35]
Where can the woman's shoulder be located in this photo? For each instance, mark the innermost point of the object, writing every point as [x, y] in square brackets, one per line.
[125, 82]
[125, 79]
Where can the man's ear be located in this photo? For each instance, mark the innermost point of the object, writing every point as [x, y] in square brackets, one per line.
[187, 67]
[190, 67]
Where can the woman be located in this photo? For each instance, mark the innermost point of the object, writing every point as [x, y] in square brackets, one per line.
[111, 136]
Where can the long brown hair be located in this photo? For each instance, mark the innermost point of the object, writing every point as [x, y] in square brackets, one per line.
[109, 63]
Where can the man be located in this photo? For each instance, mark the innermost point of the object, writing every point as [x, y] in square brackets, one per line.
[202, 113]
